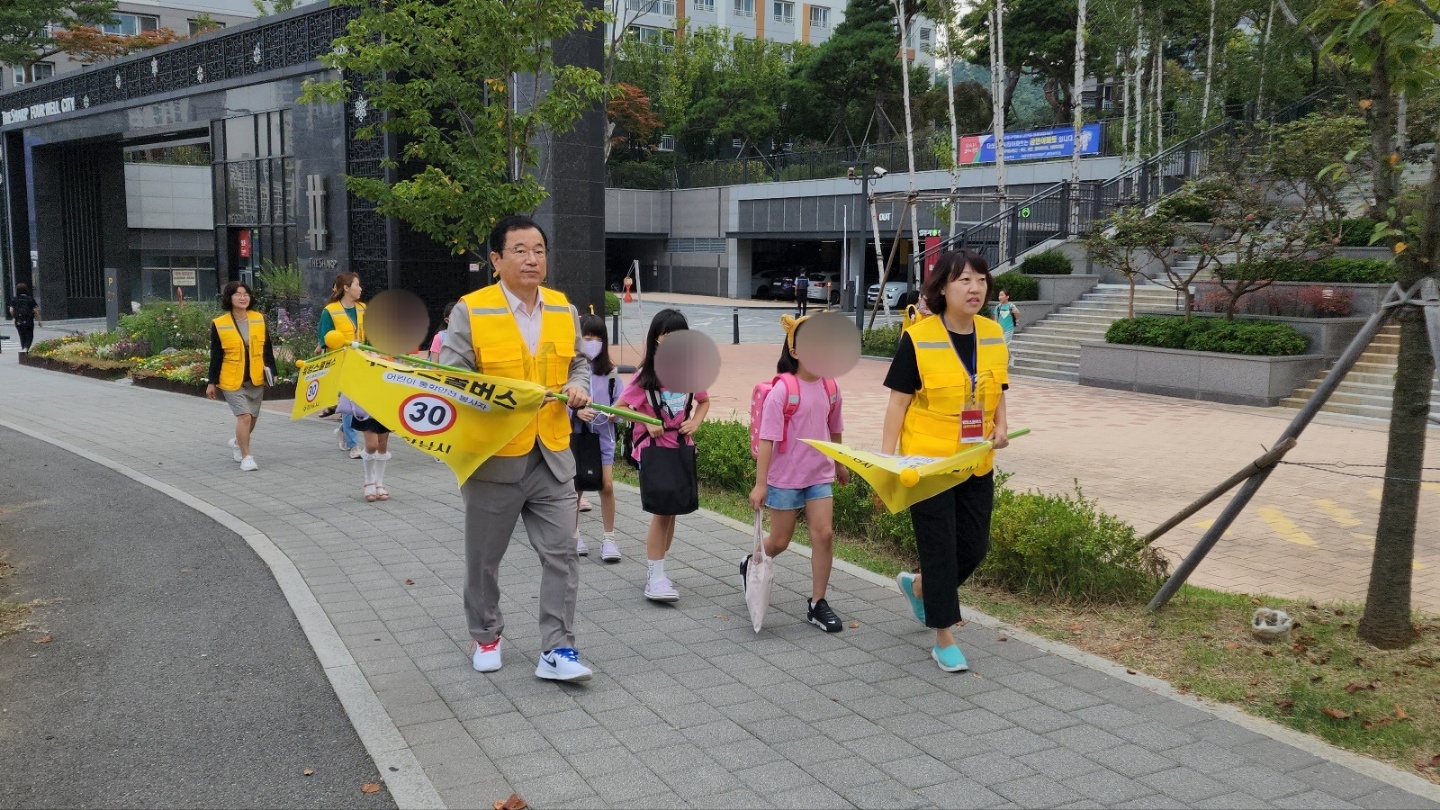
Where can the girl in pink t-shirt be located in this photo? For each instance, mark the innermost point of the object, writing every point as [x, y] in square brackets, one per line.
[791, 475]
[682, 414]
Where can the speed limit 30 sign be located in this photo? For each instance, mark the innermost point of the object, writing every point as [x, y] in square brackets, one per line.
[427, 414]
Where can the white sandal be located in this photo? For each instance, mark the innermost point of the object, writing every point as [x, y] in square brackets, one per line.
[371, 495]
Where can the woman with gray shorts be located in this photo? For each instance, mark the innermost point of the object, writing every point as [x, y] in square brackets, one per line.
[242, 362]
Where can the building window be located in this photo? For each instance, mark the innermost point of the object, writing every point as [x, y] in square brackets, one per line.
[926, 35]
[650, 35]
[666, 7]
[254, 177]
[204, 26]
[667, 143]
[784, 12]
[744, 8]
[819, 17]
[40, 70]
[737, 143]
[705, 5]
[131, 24]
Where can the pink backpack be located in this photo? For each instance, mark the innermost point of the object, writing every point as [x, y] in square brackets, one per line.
[792, 404]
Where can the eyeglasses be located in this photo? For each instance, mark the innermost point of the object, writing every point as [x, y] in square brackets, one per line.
[521, 253]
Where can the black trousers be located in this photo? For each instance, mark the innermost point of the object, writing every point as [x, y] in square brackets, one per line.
[952, 531]
[802, 301]
[26, 330]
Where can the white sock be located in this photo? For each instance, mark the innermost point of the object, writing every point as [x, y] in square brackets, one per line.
[610, 536]
[379, 462]
[655, 569]
[367, 460]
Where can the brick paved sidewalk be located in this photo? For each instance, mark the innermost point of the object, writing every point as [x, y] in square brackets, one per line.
[688, 707]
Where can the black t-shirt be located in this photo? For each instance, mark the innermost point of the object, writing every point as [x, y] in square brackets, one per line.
[904, 373]
[24, 308]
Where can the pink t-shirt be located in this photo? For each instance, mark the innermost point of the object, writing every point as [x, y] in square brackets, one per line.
[437, 342]
[800, 465]
[672, 406]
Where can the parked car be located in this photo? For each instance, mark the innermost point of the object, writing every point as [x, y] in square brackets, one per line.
[825, 286]
[776, 283]
[894, 294]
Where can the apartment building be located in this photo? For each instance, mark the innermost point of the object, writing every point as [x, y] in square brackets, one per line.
[775, 20]
[135, 17]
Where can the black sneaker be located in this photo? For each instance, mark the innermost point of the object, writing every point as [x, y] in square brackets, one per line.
[820, 615]
[744, 570]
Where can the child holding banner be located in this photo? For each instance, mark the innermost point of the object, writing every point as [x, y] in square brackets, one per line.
[790, 475]
[947, 390]
[344, 318]
[646, 395]
[604, 386]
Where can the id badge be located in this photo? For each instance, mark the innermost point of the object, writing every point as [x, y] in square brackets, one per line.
[972, 422]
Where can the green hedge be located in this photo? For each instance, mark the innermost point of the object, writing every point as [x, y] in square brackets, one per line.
[1020, 286]
[612, 303]
[1183, 207]
[166, 325]
[1353, 232]
[1048, 263]
[1051, 546]
[1337, 270]
[880, 341]
[1208, 335]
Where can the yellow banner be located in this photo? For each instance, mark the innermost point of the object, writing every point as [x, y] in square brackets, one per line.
[318, 386]
[460, 418]
[904, 480]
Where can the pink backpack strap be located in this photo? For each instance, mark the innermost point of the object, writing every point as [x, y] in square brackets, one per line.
[792, 404]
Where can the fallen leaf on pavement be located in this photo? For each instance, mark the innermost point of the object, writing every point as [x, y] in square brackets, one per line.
[1338, 714]
[44, 639]
[854, 625]
[308, 772]
[1129, 672]
[409, 582]
[1003, 638]
[370, 787]
[512, 803]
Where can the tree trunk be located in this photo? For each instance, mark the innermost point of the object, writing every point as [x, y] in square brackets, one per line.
[1000, 79]
[913, 271]
[1264, 51]
[1387, 621]
[1209, 69]
[1077, 94]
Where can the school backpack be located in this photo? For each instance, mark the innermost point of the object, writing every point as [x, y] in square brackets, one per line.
[792, 404]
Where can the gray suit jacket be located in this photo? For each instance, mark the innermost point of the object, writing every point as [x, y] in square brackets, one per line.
[458, 350]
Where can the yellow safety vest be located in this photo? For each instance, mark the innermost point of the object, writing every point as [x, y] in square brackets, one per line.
[350, 330]
[232, 367]
[500, 351]
[932, 422]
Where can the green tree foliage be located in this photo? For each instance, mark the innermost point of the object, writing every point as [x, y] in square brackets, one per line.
[26, 26]
[857, 71]
[467, 86]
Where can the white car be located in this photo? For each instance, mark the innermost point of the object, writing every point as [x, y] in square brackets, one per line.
[824, 286]
[894, 292]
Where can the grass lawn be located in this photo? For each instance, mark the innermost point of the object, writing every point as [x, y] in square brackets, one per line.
[1322, 680]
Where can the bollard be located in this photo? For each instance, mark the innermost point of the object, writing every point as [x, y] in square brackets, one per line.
[615, 329]
[735, 320]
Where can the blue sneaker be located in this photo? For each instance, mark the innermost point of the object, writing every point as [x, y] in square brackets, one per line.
[562, 664]
[906, 581]
[949, 658]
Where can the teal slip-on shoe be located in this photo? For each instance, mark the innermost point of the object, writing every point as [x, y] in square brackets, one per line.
[906, 581]
[949, 658]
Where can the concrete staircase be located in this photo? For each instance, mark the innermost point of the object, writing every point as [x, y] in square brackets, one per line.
[1050, 348]
[1366, 389]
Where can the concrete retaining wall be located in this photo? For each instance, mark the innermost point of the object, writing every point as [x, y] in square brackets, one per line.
[1230, 378]
[1065, 290]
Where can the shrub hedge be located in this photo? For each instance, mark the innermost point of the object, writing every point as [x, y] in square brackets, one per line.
[1058, 547]
[1353, 232]
[1047, 263]
[1338, 270]
[612, 303]
[1184, 207]
[1020, 286]
[880, 341]
[1208, 335]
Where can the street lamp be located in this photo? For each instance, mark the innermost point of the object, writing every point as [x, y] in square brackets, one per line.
[862, 171]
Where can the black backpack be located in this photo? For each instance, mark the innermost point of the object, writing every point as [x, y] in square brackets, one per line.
[24, 308]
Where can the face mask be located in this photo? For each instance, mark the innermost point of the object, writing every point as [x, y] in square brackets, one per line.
[592, 348]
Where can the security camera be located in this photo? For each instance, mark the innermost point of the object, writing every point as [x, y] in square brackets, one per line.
[880, 171]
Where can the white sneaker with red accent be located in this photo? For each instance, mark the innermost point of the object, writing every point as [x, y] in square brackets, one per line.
[486, 657]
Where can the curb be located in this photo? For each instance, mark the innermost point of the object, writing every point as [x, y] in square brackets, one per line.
[409, 786]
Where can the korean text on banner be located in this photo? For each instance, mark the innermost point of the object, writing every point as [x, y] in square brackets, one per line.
[319, 385]
[460, 418]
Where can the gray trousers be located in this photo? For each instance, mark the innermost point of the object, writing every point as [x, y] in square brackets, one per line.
[547, 505]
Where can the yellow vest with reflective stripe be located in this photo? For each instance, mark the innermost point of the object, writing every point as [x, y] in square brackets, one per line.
[500, 351]
[350, 330]
[932, 422]
[232, 367]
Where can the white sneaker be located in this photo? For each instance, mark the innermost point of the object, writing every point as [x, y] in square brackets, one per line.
[609, 551]
[584, 504]
[248, 464]
[235, 451]
[341, 436]
[562, 664]
[355, 452]
[486, 657]
[661, 590]
[580, 547]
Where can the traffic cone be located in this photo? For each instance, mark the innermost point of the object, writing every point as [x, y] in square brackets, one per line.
[629, 299]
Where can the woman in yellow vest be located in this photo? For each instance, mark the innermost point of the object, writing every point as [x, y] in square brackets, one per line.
[242, 362]
[947, 389]
[344, 318]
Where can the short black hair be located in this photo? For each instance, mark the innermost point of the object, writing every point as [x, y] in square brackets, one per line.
[950, 265]
[22, 289]
[229, 293]
[514, 222]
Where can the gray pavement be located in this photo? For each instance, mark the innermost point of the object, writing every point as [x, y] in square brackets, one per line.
[689, 707]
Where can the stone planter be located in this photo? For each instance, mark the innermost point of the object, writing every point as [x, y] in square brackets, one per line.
[1063, 291]
[1364, 298]
[1234, 379]
[50, 364]
[1381, 252]
[1032, 311]
[283, 390]
[1328, 336]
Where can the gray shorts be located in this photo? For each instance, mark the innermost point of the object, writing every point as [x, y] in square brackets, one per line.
[245, 401]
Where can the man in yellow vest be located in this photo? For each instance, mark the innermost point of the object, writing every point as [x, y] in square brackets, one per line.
[520, 330]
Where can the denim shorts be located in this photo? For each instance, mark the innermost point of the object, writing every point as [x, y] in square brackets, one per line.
[777, 498]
